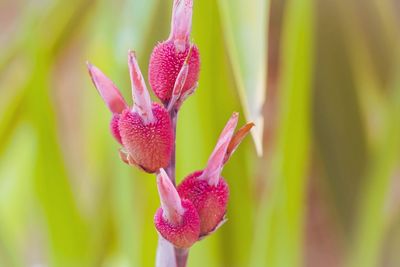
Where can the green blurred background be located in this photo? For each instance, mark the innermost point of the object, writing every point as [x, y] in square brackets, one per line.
[321, 79]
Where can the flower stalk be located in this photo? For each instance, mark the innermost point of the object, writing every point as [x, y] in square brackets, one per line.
[147, 133]
[179, 255]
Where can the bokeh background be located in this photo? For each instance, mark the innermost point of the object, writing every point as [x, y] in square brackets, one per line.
[321, 79]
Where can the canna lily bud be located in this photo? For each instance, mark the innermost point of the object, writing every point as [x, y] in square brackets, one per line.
[177, 219]
[148, 144]
[168, 57]
[207, 189]
[145, 131]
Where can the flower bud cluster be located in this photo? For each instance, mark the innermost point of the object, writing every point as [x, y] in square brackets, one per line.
[197, 206]
[204, 191]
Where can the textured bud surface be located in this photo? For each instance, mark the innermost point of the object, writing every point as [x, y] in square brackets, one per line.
[165, 63]
[149, 145]
[184, 234]
[210, 201]
[114, 128]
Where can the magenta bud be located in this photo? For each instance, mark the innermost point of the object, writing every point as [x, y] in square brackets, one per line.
[175, 63]
[165, 65]
[210, 200]
[177, 219]
[149, 145]
[207, 189]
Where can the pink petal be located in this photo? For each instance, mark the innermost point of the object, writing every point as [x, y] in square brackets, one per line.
[140, 94]
[169, 197]
[181, 24]
[108, 91]
[216, 161]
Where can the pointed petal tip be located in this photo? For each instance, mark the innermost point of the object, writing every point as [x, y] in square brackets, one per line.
[230, 126]
[90, 68]
[131, 55]
[235, 115]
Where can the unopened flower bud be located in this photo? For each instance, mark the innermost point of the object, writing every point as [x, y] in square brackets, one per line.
[145, 130]
[177, 219]
[168, 57]
[207, 189]
[148, 144]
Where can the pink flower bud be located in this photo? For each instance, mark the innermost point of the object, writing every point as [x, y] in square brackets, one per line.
[165, 64]
[210, 200]
[145, 131]
[207, 189]
[168, 57]
[177, 219]
[148, 144]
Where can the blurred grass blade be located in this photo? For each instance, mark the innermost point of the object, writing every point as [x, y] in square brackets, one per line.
[385, 154]
[16, 171]
[134, 27]
[245, 29]
[281, 225]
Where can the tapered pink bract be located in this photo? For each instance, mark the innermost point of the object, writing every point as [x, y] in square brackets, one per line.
[177, 219]
[111, 96]
[140, 93]
[108, 91]
[216, 161]
[179, 83]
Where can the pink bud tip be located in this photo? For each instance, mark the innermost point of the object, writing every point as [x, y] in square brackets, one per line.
[177, 220]
[210, 201]
[140, 93]
[216, 161]
[108, 91]
[148, 145]
[170, 200]
[181, 24]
